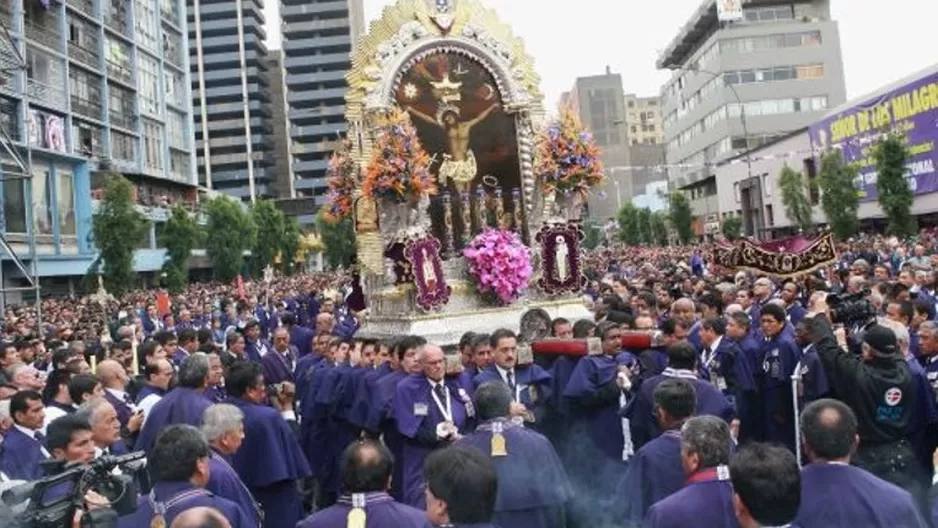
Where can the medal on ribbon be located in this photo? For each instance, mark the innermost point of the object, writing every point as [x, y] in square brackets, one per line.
[356, 516]
[158, 522]
[499, 449]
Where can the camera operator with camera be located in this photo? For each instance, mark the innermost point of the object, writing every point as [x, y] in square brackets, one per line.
[877, 384]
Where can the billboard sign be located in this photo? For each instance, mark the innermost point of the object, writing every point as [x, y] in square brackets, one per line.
[729, 10]
[911, 109]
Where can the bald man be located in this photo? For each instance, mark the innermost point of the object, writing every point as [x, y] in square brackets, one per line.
[200, 517]
[114, 379]
[431, 412]
[325, 323]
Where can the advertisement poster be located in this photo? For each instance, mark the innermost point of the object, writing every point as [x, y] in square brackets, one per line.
[729, 10]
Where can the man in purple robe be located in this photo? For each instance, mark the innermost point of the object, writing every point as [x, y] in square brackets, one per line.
[23, 446]
[529, 385]
[534, 489]
[656, 472]
[223, 427]
[748, 398]
[187, 344]
[462, 488]
[185, 404]
[386, 361]
[430, 414]
[179, 466]
[279, 363]
[255, 346]
[707, 497]
[837, 494]
[366, 478]
[780, 355]
[766, 486]
[270, 460]
[300, 336]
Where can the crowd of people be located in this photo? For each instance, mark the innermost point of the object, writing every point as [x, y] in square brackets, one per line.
[759, 402]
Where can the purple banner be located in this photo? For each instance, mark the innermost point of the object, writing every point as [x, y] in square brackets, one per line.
[912, 109]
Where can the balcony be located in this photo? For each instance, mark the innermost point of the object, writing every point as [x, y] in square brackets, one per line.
[84, 55]
[45, 94]
[87, 107]
[83, 6]
[120, 119]
[45, 33]
[120, 72]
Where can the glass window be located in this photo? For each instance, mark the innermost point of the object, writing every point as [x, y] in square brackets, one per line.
[146, 24]
[747, 76]
[148, 76]
[122, 146]
[66, 202]
[42, 199]
[176, 130]
[153, 145]
[14, 206]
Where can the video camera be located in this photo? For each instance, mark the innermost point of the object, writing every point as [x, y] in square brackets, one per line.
[54, 500]
[852, 311]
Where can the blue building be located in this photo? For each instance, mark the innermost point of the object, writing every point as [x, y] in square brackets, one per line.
[94, 87]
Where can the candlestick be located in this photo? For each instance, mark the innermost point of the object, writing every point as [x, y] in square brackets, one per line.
[516, 209]
[481, 213]
[500, 219]
[133, 349]
[94, 363]
[447, 225]
[466, 212]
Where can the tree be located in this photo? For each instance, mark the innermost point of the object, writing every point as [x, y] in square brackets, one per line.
[895, 196]
[659, 228]
[271, 226]
[338, 239]
[795, 198]
[230, 232]
[681, 216]
[118, 228]
[593, 235]
[289, 245]
[644, 225]
[732, 227]
[630, 228]
[180, 236]
[839, 199]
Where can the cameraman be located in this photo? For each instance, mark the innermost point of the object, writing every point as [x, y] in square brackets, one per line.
[880, 388]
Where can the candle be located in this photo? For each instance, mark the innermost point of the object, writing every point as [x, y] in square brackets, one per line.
[94, 363]
[133, 350]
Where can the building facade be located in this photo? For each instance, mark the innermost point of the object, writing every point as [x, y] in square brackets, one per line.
[739, 85]
[93, 88]
[231, 97]
[643, 117]
[282, 169]
[318, 38]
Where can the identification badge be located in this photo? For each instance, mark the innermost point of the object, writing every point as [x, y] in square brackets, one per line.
[470, 410]
[420, 409]
[932, 375]
[720, 382]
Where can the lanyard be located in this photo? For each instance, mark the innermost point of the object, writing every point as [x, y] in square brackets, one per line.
[446, 411]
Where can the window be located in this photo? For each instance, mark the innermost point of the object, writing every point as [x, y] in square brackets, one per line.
[179, 164]
[767, 185]
[14, 206]
[769, 216]
[736, 191]
[770, 14]
[172, 47]
[148, 76]
[176, 130]
[122, 146]
[42, 199]
[146, 24]
[118, 60]
[153, 145]
[768, 42]
[175, 88]
[86, 139]
[65, 202]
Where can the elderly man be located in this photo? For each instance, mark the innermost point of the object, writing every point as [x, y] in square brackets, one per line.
[185, 404]
[25, 377]
[430, 412]
[114, 380]
[279, 364]
[105, 427]
[223, 427]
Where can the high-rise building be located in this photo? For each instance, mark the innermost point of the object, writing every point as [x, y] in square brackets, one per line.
[90, 88]
[318, 37]
[283, 174]
[231, 97]
[740, 84]
[643, 118]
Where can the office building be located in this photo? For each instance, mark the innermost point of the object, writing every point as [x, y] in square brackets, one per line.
[738, 85]
[231, 97]
[317, 43]
[283, 173]
[91, 87]
[643, 118]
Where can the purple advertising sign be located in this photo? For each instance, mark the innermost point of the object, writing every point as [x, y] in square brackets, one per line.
[912, 109]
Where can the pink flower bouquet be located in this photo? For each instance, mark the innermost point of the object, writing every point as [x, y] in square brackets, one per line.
[500, 264]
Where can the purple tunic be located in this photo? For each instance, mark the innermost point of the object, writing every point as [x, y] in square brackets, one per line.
[779, 358]
[124, 412]
[224, 482]
[704, 501]
[842, 496]
[380, 512]
[381, 419]
[654, 473]
[20, 456]
[196, 497]
[278, 367]
[533, 486]
[180, 406]
[417, 414]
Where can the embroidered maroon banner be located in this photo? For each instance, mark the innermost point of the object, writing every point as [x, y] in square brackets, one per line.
[781, 258]
[561, 266]
[426, 265]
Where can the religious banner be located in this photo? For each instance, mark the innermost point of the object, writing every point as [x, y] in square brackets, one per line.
[403, 270]
[781, 258]
[560, 257]
[423, 254]
[725, 256]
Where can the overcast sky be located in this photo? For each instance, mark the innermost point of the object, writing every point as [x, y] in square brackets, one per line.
[881, 41]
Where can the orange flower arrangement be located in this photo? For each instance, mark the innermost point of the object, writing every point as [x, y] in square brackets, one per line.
[568, 159]
[341, 180]
[399, 166]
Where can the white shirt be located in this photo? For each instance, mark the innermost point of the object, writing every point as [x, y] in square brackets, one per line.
[514, 375]
[52, 412]
[147, 403]
[707, 359]
[122, 396]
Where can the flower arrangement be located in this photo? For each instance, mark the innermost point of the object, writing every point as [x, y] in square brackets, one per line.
[567, 158]
[399, 166]
[500, 264]
[340, 176]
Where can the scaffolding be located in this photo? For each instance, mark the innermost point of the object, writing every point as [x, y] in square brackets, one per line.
[15, 162]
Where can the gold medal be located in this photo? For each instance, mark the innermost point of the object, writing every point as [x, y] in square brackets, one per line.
[356, 518]
[158, 522]
[498, 445]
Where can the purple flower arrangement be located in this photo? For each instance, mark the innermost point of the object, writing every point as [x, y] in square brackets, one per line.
[500, 264]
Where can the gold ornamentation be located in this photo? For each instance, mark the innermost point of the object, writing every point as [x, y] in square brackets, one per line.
[499, 449]
[158, 522]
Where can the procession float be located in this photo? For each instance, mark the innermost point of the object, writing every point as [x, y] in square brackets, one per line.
[465, 197]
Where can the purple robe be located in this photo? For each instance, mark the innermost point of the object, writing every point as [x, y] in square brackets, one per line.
[533, 383]
[417, 415]
[533, 486]
[708, 502]
[124, 412]
[179, 356]
[780, 355]
[224, 482]
[216, 394]
[312, 424]
[20, 456]
[813, 377]
[380, 512]
[278, 367]
[148, 390]
[255, 350]
[593, 391]
[655, 472]
[332, 435]
[842, 496]
[923, 418]
[181, 405]
[381, 419]
[303, 374]
[358, 413]
[302, 338]
[270, 462]
[166, 491]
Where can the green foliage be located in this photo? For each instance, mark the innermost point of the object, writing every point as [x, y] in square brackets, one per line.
[630, 225]
[118, 228]
[895, 196]
[338, 240]
[839, 199]
[795, 198]
[593, 235]
[289, 245]
[681, 216]
[732, 227]
[230, 232]
[271, 227]
[180, 236]
[659, 228]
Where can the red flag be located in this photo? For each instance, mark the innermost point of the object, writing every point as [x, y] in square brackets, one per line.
[163, 304]
[241, 292]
